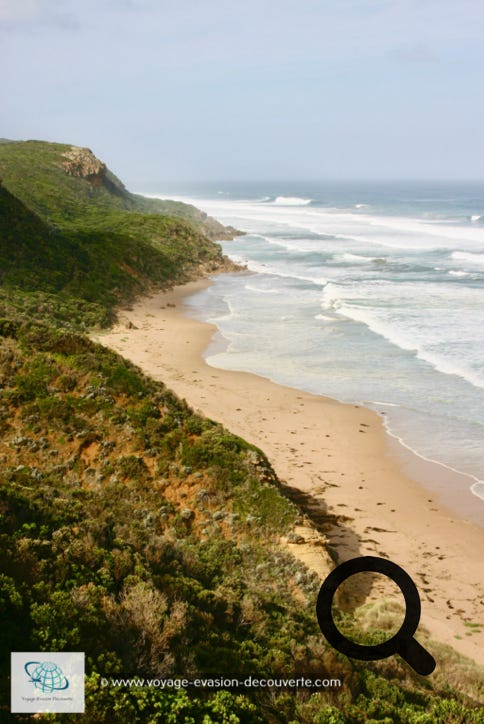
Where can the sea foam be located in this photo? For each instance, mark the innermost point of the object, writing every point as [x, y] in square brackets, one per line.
[291, 201]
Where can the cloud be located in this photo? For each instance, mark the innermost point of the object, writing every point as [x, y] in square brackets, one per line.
[26, 13]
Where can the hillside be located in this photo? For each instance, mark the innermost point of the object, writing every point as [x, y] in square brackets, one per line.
[69, 227]
[148, 537]
[66, 184]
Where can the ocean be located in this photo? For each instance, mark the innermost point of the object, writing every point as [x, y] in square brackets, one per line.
[369, 293]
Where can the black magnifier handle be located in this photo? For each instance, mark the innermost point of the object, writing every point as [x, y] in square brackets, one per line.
[402, 642]
[414, 654]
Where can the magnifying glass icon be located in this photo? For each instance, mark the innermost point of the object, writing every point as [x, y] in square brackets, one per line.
[402, 642]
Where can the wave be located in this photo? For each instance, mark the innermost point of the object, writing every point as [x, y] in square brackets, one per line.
[324, 317]
[401, 232]
[291, 201]
[478, 489]
[297, 245]
[383, 404]
[450, 368]
[393, 335]
[348, 225]
[333, 298]
[361, 206]
[476, 217]
[458, 273]
[260, 290]
[354, 258]
[468, 256]
[262, 268]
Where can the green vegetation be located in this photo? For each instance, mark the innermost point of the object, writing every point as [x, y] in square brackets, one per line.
[87, 240]
[35, 172]
[147, 536]
[133, 529]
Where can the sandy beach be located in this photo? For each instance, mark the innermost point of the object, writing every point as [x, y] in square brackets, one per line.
[339, 458]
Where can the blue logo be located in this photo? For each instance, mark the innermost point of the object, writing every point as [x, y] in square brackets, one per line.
[46, 676]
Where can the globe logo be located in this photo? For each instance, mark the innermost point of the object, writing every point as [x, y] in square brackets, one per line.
[46, 676]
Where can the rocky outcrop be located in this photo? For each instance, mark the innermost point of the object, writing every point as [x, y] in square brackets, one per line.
[216, 266]
[81, 162]
[216, 231]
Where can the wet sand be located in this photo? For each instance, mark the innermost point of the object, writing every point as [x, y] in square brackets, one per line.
[336, 457]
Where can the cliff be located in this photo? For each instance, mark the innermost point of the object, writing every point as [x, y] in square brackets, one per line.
[69, 184]
[69, 227]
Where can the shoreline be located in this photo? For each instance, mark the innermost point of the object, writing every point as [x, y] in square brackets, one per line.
[338, 454]
[435, 477]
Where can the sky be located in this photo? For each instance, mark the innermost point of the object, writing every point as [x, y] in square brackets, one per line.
[183, 90]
